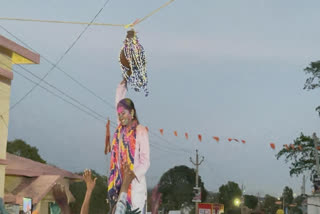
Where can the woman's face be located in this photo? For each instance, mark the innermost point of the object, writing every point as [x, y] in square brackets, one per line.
[124, 115]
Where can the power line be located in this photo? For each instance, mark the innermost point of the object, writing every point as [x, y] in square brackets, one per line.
[65, 100]
[64, 72]
[91, 112]
[62, 92]
[4, 121]
[60, 59]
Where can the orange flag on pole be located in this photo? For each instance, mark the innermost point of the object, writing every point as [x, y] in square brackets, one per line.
[186, 135]
[161, 131]
[273, 146]
[216, 138]
[200, 137]
[175, 133]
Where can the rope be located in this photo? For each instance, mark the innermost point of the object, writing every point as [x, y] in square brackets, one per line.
[59, 22]
[138, 21]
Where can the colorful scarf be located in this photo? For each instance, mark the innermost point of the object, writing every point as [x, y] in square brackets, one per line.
[123, 149]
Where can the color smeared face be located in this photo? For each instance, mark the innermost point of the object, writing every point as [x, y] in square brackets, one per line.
[124, 115]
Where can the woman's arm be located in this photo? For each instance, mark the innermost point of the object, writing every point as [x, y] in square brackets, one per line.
[120, 94]
[144, 160]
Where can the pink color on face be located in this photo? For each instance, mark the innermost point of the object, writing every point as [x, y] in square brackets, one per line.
[120, 109]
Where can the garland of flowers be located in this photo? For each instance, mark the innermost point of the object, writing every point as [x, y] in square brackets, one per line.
[135, 55]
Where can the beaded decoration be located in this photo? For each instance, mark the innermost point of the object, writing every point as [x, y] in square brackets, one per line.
[133, 63]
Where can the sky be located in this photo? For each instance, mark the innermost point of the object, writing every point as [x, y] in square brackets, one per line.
[216, 68]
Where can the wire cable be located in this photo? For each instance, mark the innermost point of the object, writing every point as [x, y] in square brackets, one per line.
[60, 59]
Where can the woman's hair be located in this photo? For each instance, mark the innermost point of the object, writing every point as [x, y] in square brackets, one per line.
[128, 105]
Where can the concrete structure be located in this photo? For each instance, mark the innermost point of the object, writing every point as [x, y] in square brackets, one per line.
[31, 179]
[10, 54]
[313, 204]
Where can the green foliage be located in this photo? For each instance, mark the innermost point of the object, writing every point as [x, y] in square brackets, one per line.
[313, 81]
[98, 202]
[269, 204]
[250, 201]
[234, 211]
[176, 186]
[288, 196]
[301, 160]
[20, 148]
[228, 193]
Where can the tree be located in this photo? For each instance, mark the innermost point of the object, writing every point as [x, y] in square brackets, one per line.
[20, 148]
[270, 205]
[227, 194]
[98, 203]
[303, 159]
[250, 201]
[176, 186]
[313, 81]
[288, 196]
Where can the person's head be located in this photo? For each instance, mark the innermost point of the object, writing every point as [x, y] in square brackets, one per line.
[126, 112]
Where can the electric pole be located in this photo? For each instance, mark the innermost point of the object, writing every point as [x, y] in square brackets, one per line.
[197, 164]
[316, 141]
[303, 194]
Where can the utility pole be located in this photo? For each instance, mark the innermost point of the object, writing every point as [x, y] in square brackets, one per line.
[316, 143]
[197, 164]
[303, 194]
[303, 187]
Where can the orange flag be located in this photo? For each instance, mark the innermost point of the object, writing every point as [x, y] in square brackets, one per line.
[161, 131]
[273, 146]
[175, 133]
[229, 139]
[243, 141]
[200, 137]
[216, 138]
[147, 128]
[187, 136]
[107, 148]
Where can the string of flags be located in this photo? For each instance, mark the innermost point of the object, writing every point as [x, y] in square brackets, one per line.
[216, 138]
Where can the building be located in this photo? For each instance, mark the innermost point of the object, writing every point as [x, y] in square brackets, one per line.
[10, 53]
[26, 178]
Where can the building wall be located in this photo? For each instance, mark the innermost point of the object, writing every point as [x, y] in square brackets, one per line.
[5, 86]
[314, 204]
[12, 182]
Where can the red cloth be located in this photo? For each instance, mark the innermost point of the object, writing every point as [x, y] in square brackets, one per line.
[107, 148]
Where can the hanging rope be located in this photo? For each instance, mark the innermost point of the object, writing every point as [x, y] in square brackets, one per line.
[138, 21]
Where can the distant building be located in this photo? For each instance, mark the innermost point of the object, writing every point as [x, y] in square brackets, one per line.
[26, 178]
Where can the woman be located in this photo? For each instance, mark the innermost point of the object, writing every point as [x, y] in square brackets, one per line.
[130, 145]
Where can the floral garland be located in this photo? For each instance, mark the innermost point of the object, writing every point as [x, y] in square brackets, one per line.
[135, 55]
